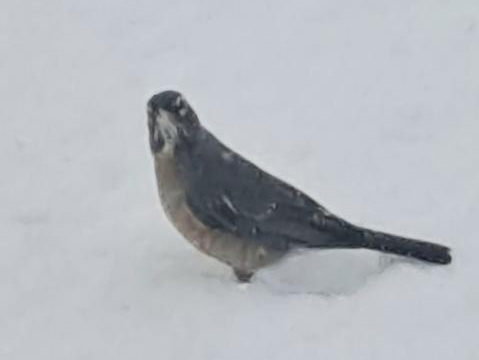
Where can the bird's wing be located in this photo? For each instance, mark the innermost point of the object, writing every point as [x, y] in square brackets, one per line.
[229, 193]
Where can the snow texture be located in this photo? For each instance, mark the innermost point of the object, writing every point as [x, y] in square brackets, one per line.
[371, 107]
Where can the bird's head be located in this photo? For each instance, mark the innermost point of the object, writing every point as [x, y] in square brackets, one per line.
[171, 120]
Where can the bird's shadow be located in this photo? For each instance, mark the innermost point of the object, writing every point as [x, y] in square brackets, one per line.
[328, 273]
[325, 272]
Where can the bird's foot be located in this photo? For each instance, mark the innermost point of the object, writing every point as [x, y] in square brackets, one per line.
[243, 276]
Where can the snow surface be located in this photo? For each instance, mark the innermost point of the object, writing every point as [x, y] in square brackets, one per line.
[372, 107]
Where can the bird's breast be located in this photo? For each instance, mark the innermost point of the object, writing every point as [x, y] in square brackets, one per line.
[171, 188]
[234, 251]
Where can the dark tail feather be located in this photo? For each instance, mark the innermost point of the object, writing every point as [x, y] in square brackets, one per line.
[417, 249]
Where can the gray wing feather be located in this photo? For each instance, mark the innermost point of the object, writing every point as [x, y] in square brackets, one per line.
[227, 192]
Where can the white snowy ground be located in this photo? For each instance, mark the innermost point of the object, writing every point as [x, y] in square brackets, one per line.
[371, 106]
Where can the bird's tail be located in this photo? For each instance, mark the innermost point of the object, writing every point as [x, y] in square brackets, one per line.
[417, 249]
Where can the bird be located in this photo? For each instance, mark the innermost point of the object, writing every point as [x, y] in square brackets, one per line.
[232, 210]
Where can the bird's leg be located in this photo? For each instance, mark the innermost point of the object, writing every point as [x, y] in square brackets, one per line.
[243, 276]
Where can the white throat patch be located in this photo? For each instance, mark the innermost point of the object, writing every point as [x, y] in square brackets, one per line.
[168, 131]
